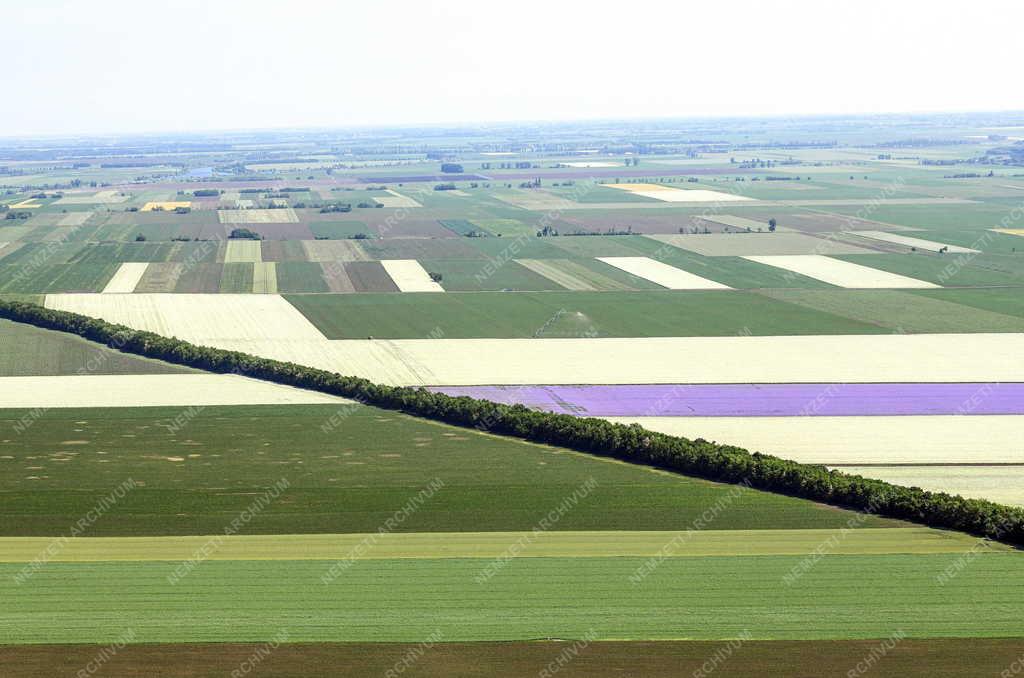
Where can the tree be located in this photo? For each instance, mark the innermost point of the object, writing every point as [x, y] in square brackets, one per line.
[771, 225]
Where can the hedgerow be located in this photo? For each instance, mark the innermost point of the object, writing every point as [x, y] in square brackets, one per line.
[632, 443]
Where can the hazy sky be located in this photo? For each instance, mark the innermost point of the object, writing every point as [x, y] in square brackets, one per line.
[139, 65]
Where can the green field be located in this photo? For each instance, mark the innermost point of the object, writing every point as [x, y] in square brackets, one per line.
[345, 479]
[569, 314]
[704, 598]
[27, 351]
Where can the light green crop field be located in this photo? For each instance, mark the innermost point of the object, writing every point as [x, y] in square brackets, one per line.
[839, 596]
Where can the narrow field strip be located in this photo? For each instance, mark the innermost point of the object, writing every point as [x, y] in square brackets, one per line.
[911, 658]
[757, 244]
[859, 440]
[489, 545]
[927, 245]
[571, 275]
[264, 277]
[672, 194]
[150, 390]
[267, 325]
[834, 596]
[841, 273]
[126, 279]
[662, 274]
[334, 250]
[243, 251]
[758, 400]
[410, 276]
[163, 205]
[280, 215]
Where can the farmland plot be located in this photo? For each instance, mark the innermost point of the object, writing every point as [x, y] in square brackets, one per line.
[284, 215]
[662, 274]
[410, 276]
[243, 251]
[126, 279]
[671, 194]
[571, 275]
[157, 390]
[918, 243]
[743, 244]
[841, 273]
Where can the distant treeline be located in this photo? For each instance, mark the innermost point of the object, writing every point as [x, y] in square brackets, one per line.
[632, 443]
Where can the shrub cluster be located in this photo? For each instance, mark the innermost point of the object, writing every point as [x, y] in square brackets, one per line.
[630, 443]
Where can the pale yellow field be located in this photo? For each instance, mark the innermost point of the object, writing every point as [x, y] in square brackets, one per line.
[662, 274]
[860, 440]
[285, 215]
[927, 245]
[672, 194]
[1009, 231]
[264, 278]
[410, 276]
[490, 545]
[1003, 484]
[239, 250]
[99, 198]
[165, 205]
[29, 204]
[199, 318]
[396, 199]
[126, 278]
[150, 390]
[841, 273]
[269, 326]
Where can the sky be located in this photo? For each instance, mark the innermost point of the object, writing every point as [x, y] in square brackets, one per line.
[113, 67]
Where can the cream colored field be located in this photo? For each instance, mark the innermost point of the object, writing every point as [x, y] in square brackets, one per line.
[150, 390]
[488, 545]
[269, 326]
[927, 245]
[99, 198]
[458, 192]
[334, 250]
[74, 219]
[264, 278]
[29, 204]
[761, 244]
[954, 439]
[244, 203]
[662, 274]
[396, 199]
[841, 273]
[1003, 484]
[879, 358]
[410, 276]
[198, 318]
[672, 194]
[1009, 231]
[284, 215]
[126, 278]
[9, 247]
[241, 251]
[165, 205]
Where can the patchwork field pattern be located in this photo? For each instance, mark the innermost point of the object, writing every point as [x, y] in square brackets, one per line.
[618, 270]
